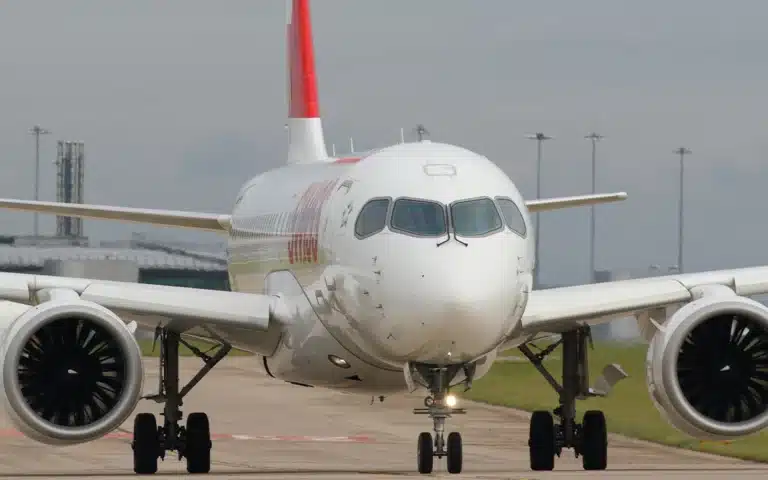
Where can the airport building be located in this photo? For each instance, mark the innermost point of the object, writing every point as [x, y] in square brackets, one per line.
[134, 260]
[70, 253]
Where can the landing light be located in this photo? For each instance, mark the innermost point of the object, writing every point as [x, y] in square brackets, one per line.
[451, 401]
[339, 362]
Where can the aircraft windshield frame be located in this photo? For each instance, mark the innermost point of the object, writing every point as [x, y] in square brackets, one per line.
[471, 215]
[364, 216]
[518, 226]
[414, 223]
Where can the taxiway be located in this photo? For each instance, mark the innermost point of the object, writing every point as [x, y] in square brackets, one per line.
[267, 429]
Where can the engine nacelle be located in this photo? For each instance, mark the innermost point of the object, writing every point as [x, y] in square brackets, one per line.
[707, 368]
[71, 370]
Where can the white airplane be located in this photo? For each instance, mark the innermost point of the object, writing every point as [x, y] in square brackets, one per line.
[403, 268]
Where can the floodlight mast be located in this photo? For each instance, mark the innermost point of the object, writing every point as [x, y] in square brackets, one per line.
[594, 137]
[37, 130]
[540, 138]
[681, 152]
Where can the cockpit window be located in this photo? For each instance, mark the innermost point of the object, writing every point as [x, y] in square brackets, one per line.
[372, 218]
[419, 217]
[512, 216]
[475, 218]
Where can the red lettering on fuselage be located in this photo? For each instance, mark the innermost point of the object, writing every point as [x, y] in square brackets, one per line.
[310, 236]
[303, 243]
[325, 193]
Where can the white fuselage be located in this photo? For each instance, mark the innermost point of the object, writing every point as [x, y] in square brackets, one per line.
[397, 295]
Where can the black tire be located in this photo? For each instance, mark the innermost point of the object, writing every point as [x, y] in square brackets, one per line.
[541, 441]
[198, 443]
[594, 441]
[454, 459]
[146, 444]
[425, 453]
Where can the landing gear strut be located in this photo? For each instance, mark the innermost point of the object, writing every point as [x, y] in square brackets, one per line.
[588, 439]
[438, 408]
[192, 442]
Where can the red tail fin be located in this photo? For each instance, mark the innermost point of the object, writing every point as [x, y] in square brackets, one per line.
[304, 126]
[301, 63]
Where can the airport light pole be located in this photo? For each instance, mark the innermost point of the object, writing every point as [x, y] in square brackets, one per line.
[540, 138]
[594, 137]
[37, 131]
[682, 152]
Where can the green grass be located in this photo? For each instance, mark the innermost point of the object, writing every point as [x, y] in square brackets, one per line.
[146, 348]
[628, 409]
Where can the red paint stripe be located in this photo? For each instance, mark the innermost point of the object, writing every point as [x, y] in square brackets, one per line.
[228, 436]
[301, 61]
[348, 160]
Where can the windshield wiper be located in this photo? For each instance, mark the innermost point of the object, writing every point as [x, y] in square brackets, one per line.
[455, 237]
[452, 227]
[447, 228]
[449, 239]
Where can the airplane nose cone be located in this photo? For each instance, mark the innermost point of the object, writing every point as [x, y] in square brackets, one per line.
[454, 311]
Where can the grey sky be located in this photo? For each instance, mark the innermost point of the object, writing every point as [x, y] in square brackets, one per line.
[179, 101]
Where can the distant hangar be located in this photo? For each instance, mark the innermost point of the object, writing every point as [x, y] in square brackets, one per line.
[134, 260]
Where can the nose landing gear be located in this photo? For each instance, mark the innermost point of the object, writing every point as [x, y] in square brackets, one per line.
[439, 406]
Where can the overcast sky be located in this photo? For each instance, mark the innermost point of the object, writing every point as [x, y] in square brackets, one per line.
[180, 101]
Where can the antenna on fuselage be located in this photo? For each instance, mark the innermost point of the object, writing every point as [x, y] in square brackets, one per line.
[421, 131]
[351, 145]
[333, 149]
[402, 135]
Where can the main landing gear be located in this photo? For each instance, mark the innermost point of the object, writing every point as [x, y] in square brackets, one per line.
[192, 442]
[588, 439]
[439, 407]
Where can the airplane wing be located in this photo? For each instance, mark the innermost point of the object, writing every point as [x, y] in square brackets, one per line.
[568, 202]
[148, 305]
[219, 222]
[559, 309]
[168, 218]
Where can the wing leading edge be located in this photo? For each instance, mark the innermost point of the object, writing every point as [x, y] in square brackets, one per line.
[169, 218]
[147, 304]
[570, 202]
[558, 309]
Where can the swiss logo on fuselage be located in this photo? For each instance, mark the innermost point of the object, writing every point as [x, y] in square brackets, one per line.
[303, 243]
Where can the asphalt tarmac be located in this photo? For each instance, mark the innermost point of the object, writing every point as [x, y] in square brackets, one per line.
[266, 429]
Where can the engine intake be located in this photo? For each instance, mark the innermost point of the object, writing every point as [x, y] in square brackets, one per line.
[722, 368]
[72, 372]
[708, 368]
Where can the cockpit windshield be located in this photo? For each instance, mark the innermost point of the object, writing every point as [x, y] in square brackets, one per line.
[512, 215]
[475, 218]
[372, 218]
[419, 217]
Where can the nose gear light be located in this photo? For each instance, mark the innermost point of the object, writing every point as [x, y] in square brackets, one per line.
[338, 361]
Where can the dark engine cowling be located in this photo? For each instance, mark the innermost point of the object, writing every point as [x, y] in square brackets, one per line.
[71, 372]
[707, 369]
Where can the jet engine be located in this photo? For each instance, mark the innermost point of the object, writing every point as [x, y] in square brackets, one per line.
[71, 370]
[707, 366]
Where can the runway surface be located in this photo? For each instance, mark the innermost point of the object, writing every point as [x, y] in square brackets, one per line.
[267, 429]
